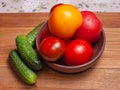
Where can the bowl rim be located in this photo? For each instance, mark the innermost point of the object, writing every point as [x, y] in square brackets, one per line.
[77, 66]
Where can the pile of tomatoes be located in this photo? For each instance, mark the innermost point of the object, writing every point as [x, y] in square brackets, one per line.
[70, 34]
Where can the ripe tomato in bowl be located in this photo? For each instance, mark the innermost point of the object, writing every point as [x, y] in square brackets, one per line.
[52, 48]
[64, 19]
[78, 52]
[91, 28]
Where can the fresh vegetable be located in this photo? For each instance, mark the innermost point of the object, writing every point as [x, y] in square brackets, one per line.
[26, 52]
[78, 52]
[22, 70]
[91, 28]
[52, 48]
[32, 35]
[64, 20]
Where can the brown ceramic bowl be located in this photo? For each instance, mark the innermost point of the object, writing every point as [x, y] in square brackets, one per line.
[60, 66]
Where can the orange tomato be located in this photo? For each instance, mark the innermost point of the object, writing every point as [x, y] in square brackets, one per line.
[64, 20]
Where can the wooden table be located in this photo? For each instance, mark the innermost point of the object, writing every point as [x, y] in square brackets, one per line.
[105, 75]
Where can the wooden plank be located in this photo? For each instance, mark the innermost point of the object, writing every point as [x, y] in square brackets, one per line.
[92, 79]
[22, 19]
[7, 41]
[110, 57]
[111, 20]
[32, 19]
[104, 75]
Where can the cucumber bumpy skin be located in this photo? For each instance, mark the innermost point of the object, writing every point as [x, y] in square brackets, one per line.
[28, 54]
[25, 73]
[32, 35]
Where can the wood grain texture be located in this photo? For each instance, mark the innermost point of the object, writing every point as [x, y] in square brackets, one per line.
[105, 75]
[30, 20]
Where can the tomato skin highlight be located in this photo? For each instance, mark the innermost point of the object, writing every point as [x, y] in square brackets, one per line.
[91, 28]
[52, 48]
[78, 52]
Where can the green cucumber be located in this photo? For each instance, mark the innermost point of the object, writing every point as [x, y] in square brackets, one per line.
[28, 54]
[22, 70]
[32, 35]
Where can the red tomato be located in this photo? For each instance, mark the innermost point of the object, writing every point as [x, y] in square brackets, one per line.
[78, 52]
[52, 48]
[91, 27]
